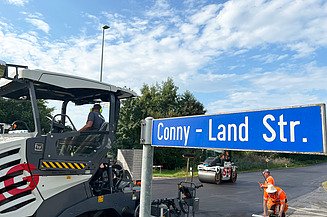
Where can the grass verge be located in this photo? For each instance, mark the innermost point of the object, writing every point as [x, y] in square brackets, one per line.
[172, 173]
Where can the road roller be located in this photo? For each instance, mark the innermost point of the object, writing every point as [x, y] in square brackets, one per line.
[215, 170]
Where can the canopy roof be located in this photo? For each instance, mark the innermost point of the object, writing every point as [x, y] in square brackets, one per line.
[56, 86]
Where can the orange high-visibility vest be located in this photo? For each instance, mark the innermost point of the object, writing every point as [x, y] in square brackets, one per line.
[276, 199]
[269, 180]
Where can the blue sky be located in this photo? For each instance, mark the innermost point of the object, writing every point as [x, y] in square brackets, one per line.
[232, 55]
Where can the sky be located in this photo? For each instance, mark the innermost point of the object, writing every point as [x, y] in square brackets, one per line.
[232, 55]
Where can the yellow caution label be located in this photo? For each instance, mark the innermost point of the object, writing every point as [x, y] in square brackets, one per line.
[62, 165]
[100, 199]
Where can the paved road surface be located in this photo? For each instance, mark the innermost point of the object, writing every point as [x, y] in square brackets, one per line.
[302, 186]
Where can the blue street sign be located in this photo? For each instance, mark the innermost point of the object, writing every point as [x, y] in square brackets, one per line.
[292, 129]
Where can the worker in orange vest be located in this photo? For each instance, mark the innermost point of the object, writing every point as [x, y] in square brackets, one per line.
[274, 201]
[268, 179]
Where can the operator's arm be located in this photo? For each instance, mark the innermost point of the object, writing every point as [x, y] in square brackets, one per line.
[281, 209]
[282, 199]
[87, 126]
[260, 184]
[89, 122]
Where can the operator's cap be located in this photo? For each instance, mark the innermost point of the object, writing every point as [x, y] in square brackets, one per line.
[271, 189]
[265, 171]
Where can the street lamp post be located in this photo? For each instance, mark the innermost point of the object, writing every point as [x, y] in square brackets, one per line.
[103, 28]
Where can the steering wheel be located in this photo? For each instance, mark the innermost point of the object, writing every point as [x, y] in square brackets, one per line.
[57, 126]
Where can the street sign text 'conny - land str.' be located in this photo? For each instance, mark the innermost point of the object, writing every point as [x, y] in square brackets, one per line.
[292, 129]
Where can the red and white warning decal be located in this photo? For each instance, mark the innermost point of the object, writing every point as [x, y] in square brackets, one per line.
[32, 180]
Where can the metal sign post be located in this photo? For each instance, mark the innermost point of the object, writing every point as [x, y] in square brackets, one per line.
[147, 163]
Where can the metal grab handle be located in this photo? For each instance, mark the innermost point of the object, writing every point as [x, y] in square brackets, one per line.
[53, 120]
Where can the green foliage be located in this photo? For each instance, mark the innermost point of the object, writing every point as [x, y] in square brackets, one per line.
[257, 161]
[248, 161]
[21, 110]
[158, 101]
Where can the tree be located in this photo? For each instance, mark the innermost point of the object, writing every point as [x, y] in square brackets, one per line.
[188, 105]
[21, 110]
[158, 101]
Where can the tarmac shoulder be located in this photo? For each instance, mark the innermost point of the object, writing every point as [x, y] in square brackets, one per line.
[311, 204]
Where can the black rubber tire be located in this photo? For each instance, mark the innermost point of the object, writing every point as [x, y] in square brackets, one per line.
[218, 178]
[233, 177]
[184, 207]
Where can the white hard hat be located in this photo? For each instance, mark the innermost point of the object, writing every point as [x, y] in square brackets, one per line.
[271, 189]
[266, 171]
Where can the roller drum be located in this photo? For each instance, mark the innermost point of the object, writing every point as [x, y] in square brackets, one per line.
[207, 176]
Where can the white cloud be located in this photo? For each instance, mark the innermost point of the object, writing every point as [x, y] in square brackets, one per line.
[91, 17]
[249, 23]
[253, 100]
[274, 89]
[303, 49]
[206, 14]
[160, 9]
[40, 24]
[270, 58]
[17, 2]
[4, 25]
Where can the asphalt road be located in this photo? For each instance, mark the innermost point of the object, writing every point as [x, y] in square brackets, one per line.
[244, 197]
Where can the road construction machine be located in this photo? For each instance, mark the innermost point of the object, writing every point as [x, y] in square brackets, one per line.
[62, 172]
[215, 170]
